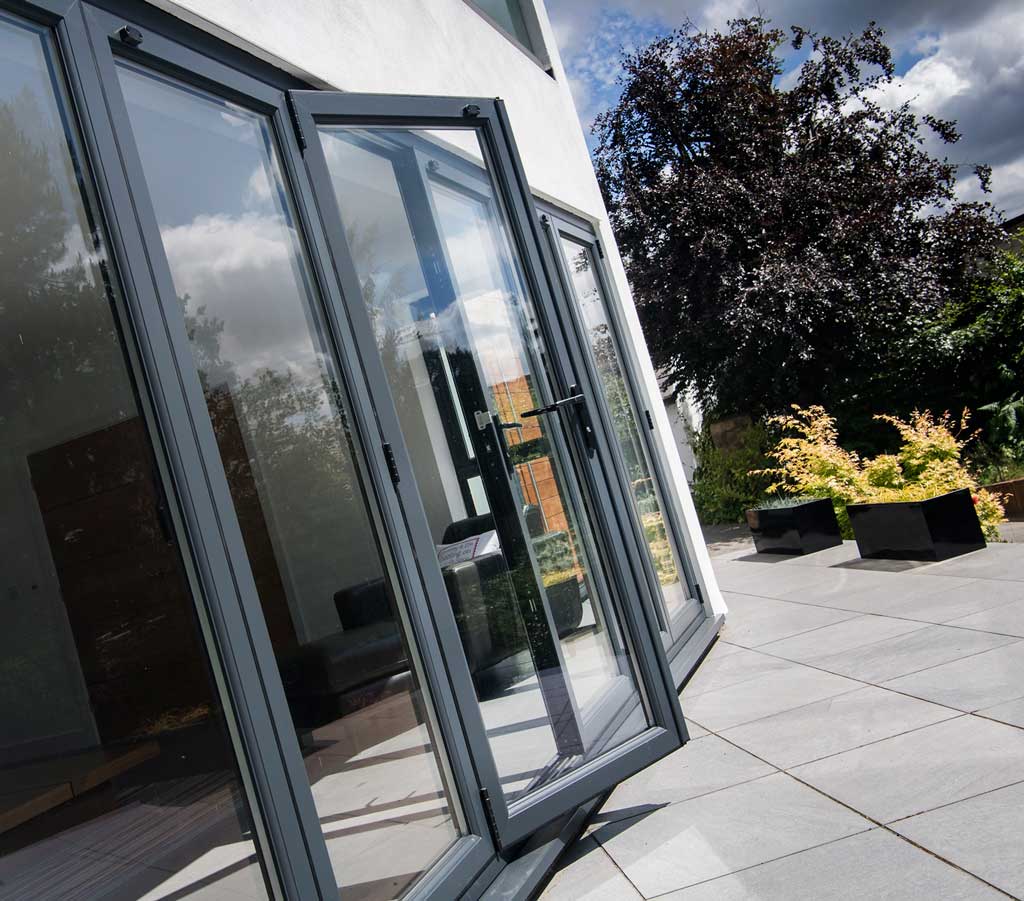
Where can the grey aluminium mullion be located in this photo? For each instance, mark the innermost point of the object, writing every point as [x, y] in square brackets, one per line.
[264, 719]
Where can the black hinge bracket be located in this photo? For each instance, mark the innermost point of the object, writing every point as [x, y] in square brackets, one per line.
[650, 419]
[300, 135]
[492, 823]
[698, 592]
[129, 35]
[389, 456]
[600, 249]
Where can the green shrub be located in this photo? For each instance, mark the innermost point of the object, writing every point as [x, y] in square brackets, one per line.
[727, 483]
[929, 462]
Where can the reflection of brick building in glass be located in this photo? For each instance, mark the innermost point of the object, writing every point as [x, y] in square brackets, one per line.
[536, 474]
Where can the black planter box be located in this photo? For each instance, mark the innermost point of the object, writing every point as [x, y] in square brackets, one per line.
[935, 529]
[803, 528]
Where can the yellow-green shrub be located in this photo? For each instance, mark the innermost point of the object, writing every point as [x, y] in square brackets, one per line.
[928, 463]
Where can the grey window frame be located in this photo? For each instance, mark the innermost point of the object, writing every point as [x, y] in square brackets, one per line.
[288, 833]
[558, 223]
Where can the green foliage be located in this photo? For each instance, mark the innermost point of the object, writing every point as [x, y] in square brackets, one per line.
[810, 462]
[781, 503]
[984, 342]
[1002, 455]
[726, 483]
[661, 551]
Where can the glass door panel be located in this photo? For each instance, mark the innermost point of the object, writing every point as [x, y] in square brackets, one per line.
[336, 620]
[118, 779]
[666, 559]
[469, 375]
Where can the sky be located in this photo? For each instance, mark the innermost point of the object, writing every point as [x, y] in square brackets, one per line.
[956, 59]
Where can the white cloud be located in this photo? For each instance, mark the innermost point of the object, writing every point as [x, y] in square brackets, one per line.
[241, 268]
[974, 74]
[929, 83]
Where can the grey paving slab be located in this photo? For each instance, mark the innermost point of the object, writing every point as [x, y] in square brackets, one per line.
[695, 730]
[587, 873]
[921, 770]
[703, 766]
[710, 836]
[721, 671]
[759, 620]
[970, 683]
[843, 636]
[792, 687]
[1011, 712]
[834, 725]
[875, 865]
[867, 591]
[984, 835]
[950, 603]
[903, 654]
[997, 561]
[1006, 619]
[768, 579]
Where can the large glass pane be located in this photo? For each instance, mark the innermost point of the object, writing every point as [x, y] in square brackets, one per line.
[459, 341]
[117, 775]
[646, 493]
[274, 397]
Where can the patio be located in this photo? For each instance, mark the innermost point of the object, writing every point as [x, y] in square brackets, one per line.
[858, 732]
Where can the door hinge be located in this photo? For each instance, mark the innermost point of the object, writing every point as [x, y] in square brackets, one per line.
[650, 419]
[699, 593]
[300, 135]
[389, 456]
[600, 249]
[492, 823]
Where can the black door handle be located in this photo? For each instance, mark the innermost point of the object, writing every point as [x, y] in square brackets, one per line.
[576, 398]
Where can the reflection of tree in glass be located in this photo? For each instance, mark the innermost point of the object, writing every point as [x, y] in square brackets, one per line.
[43, 276]
[300, 429]
[609, 369]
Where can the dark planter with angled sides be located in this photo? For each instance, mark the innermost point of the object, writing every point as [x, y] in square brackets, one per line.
[936, 529]
[802, 527]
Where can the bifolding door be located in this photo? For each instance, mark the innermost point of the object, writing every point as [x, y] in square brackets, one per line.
[326, 572]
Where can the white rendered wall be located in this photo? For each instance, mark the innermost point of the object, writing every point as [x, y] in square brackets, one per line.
[446, 47]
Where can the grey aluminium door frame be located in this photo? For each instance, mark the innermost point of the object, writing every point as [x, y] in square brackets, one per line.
[284, 789]
[557, 223]
[511, 822]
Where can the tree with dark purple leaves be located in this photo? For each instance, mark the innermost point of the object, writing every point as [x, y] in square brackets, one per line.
[791, 245]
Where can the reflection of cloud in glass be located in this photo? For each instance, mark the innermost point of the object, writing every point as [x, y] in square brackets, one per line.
[258, 190]
[240, 268]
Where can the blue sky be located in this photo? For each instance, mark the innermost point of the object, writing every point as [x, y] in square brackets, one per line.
[957, 59]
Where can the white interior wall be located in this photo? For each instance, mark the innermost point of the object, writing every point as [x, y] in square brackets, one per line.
[446, 47]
